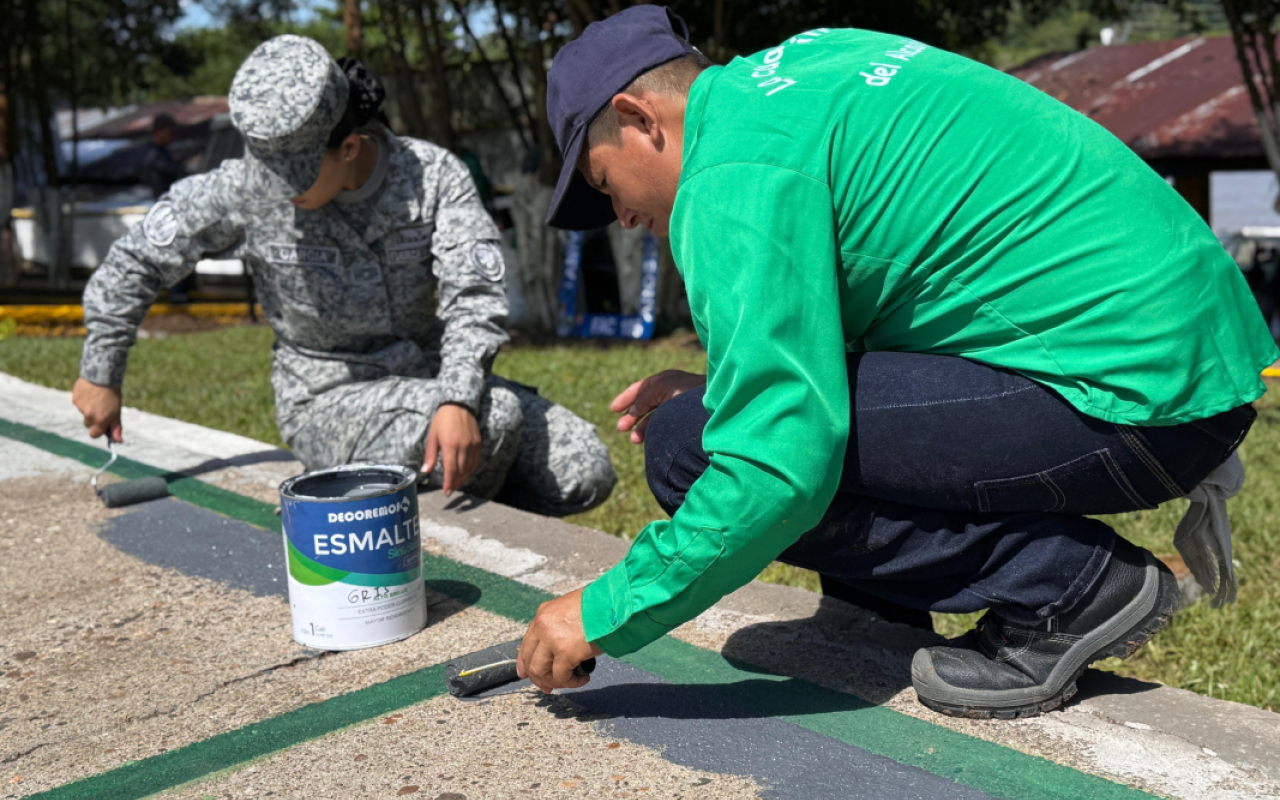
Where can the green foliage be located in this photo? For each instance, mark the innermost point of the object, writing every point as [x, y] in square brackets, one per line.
[220, 379]
[585, 377]
[97, 49]
[203, 61]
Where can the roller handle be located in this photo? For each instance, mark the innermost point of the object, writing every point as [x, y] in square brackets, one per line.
[492, 667]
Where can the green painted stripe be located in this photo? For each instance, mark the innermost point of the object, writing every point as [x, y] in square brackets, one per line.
[986, 766]
[193, 490]
[234, 748]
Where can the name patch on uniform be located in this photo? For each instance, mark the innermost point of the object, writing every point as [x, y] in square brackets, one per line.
[414, 234]
[486, 259]
[304, 254]
[161, 224]
[408, 253]
[409, 245]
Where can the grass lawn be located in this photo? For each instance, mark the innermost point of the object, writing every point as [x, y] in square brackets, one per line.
[221, 379]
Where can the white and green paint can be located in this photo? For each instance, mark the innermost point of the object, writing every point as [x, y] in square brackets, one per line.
[354, 552]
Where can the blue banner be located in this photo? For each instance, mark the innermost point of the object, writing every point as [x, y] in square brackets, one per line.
[615, 326]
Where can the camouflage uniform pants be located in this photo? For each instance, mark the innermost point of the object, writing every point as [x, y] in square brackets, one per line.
[535, 454]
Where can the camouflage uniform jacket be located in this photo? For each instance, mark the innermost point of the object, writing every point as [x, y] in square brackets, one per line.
[347, 303]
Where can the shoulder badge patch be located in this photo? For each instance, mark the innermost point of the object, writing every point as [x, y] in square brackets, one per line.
[161, 224]
[486, 259]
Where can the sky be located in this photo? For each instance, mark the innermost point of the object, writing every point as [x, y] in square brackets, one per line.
[195, 15]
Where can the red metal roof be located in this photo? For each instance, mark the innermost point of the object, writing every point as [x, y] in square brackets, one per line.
[138, 122]
[1183, 98]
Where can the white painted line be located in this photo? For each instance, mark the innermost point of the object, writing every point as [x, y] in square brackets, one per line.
[516, 563]
[160, 441]
[18, 460]
[1172, 55]
[1068, 61]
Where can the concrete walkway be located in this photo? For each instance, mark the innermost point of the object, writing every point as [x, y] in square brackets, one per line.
[147, 650]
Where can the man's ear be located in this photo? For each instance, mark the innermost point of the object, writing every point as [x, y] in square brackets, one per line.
[638, 113]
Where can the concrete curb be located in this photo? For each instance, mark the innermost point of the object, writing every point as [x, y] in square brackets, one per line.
[1164, 740]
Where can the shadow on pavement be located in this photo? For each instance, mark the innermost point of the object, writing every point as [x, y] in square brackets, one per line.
[1096, 683]
[754, 698]
[841, 647]
[248, 459]
[446, 598]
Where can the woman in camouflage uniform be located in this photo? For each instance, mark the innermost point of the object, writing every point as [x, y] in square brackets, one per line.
[349, 233]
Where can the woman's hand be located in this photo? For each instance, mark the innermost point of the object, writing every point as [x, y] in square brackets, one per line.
[639, 399]
[101, 408]
[454, 439]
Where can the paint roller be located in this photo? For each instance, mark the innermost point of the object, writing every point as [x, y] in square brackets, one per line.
[126, 493]
[493, 666]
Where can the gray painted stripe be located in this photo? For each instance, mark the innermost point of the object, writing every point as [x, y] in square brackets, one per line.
[707, 728]
[704, 727]
[193, 541]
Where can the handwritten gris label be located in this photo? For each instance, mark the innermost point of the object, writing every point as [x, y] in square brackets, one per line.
[304, 254]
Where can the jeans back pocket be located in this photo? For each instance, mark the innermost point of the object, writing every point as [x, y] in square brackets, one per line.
[1091, 484]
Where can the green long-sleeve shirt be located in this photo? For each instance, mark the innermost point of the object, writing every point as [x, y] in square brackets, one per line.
[849, 190]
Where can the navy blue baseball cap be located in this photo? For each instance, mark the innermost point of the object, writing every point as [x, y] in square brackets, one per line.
[585, 76]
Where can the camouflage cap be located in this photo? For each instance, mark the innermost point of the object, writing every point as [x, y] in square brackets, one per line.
[287, 97]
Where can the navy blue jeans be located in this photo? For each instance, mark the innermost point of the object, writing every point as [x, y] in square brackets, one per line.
[966, 487]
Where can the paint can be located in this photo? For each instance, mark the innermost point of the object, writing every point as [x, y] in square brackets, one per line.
[354, 555]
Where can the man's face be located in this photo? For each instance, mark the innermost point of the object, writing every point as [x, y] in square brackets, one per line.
[637, 177]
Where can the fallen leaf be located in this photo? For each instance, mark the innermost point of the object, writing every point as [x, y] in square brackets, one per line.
[612, 746]
[569, 784]
[389, 721]
[362, 757]
[407, 790]
[618, 777]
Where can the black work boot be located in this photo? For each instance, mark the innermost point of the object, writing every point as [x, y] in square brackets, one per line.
[1006, 670]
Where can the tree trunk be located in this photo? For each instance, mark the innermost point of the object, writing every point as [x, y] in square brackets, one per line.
[627, 245]
[355, 30]
[548, 151]
[433, 45]
[74, 98]
[513, 59]
[492, 73]
[540, 253]
[406, 84]
[1252, 26]
[50, 217]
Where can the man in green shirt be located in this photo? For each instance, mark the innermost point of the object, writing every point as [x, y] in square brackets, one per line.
[946, 318]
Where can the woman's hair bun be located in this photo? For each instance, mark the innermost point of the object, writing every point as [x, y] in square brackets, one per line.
[366, 90]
